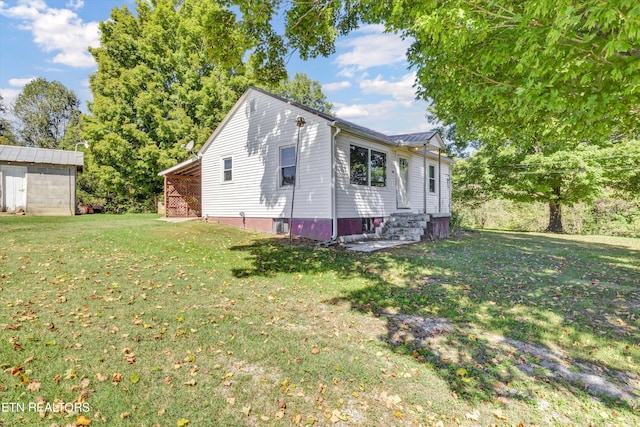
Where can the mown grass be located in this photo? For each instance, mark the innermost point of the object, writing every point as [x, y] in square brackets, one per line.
[150, 323]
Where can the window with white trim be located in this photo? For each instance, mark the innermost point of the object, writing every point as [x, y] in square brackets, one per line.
[227, 169]
[432, 179]
[367, 167]
[287, 166]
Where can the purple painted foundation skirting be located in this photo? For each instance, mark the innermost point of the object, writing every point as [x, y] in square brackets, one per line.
[349, 226]
[312, 228]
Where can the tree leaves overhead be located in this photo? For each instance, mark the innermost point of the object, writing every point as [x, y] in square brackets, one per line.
[504, 65]
[44, 111]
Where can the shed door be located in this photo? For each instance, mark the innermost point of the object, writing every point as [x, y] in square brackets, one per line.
[14, 185]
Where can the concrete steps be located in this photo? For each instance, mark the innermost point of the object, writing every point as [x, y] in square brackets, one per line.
[405, 226]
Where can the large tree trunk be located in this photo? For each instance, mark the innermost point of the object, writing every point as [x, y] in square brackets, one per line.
[555, 215]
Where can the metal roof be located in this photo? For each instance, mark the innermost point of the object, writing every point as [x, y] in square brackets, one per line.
[17, 154]
[188, 167]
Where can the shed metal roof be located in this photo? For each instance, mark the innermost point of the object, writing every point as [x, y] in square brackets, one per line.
[17, 154]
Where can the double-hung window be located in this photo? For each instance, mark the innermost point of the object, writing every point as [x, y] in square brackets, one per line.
[287, 166]
[432, 179]
[227, 169]
[367, 167]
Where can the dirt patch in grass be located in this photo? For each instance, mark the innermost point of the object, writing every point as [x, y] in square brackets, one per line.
[442, 339]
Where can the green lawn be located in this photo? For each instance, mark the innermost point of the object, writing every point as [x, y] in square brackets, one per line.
[141, 322]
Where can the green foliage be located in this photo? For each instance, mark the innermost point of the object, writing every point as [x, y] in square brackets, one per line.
[304, 91]
[560, 173]
[44, 111]
[607, 215]
[6, 133]
[511, 66]
[166, 75]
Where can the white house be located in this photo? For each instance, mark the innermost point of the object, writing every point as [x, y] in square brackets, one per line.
[342, 179]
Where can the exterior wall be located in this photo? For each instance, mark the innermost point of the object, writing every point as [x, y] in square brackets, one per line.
[51, 190]
[313, 228]
[252, 136]
[363, 201]
[355, 202]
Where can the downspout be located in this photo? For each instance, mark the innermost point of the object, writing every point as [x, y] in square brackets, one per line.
[334, 196]
[439, 181]
[424, 175]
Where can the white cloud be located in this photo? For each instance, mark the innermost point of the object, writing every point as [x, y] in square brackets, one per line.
[20, 82]
[59, 31]
[75, 4]
[387, 116]
[401, 90]
[371, 49]
[336, 86]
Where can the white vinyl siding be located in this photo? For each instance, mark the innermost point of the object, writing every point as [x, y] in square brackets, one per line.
[356, 200]
[252, 135]
[287, 165]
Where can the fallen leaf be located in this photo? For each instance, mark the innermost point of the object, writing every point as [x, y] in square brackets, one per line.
[116, 378]
[231, 400]
[182, 422]
[498, 414]
[191, 383]
[34, 385]
[83, 421]
[134, 379]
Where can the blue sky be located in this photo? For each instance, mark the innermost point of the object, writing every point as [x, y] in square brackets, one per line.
[367, 79]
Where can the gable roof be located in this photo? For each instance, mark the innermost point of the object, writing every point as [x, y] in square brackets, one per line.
[18, 154]
[430, 139]
[404, 140]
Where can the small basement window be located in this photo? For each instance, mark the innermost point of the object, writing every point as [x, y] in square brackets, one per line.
[281, 225]
[368, 225]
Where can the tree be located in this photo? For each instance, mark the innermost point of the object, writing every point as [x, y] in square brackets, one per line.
[304, 91]
[166, 75]
[44, 110]
[6, 133]
[507, 64]
[560, 173]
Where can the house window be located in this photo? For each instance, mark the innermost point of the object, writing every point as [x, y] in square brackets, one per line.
[287, 166]
[432, 178]
[359, 162]
[378, 169]
[227, 167]
[368, 167]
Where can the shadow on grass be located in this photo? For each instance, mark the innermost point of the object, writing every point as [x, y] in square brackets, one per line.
[517, 306]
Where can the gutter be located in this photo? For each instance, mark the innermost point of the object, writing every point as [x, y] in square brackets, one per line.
[334, 196]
